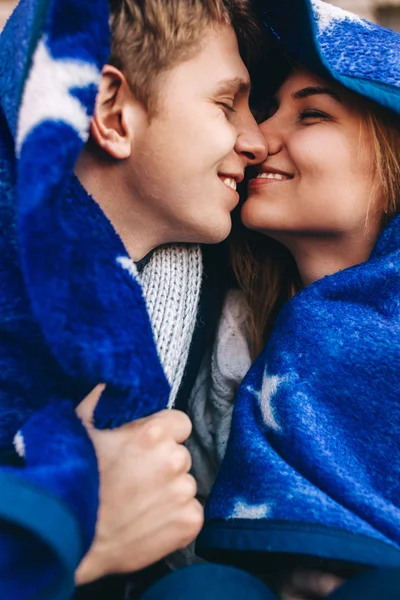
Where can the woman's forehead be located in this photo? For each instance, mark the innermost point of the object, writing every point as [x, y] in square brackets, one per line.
[298, 77]
[270, 84]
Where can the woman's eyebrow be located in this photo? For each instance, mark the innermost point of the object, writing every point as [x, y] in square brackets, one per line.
[315, 91]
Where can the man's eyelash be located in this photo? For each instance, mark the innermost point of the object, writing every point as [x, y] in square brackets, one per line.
[227, 106]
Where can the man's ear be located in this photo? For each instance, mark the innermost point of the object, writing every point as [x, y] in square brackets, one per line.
[113, 123]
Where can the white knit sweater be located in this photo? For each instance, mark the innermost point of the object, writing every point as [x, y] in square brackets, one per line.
[171, 283]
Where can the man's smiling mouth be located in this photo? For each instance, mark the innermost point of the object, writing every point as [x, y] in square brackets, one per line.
[231, 178]
[230, 182]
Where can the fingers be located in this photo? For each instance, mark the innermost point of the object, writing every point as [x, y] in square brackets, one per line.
[305, 583]
[172, 423]
[172, 463]
[148, 506]
[180, 461]
[190, 523]
[86, 408]
[167, 423]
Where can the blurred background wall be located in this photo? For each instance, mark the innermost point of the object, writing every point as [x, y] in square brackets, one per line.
[385, 12]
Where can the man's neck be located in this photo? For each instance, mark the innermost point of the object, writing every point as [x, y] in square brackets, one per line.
[103, 181]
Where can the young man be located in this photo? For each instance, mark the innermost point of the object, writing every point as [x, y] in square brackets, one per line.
[170, 138]
[171, 135]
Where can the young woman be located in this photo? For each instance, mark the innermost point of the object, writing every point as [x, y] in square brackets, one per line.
[330, 184]
[311, 473]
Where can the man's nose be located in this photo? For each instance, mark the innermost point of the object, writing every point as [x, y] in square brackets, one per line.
[251, 144]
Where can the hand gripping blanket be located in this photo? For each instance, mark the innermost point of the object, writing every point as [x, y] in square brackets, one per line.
[72, 312]
[312, 465]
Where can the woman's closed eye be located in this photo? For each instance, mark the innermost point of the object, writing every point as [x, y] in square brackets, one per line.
[313, 115]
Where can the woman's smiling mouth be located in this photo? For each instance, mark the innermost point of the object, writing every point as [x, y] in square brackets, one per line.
[269, 176]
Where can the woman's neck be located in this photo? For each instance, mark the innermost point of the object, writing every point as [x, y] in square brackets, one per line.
[317, 257]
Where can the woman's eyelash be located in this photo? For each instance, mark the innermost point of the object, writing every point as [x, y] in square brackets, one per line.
[309, 114]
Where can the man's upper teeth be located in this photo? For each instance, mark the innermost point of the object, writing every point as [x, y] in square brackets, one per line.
[271, 176]
[230, 182]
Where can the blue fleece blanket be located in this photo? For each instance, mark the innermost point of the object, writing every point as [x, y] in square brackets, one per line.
[72, 313]
[337, 44]
[314, 447]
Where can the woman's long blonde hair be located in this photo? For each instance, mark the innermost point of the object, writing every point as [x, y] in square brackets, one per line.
[266, 270]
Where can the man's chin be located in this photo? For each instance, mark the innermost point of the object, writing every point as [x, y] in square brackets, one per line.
[217, 234]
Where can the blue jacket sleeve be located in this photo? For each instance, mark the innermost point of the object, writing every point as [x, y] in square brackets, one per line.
[48, 507]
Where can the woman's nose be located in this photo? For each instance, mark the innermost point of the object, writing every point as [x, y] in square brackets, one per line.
[272, 135]
[252, 145]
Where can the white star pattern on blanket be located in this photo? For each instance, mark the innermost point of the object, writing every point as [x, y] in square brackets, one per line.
[47, 95]
[243, 510]
[328, 15]
[128, 264]
[19, 444]
[264, 396]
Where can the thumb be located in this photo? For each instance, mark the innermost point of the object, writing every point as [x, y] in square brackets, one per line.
[86, 408]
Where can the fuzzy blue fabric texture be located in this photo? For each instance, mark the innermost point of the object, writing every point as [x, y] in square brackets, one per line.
[332, 42]
[72, 313]
[312, 464]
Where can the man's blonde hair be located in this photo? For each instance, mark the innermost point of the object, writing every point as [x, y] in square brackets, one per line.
[149, 37]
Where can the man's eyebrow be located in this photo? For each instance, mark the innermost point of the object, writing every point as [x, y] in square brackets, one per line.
[233, 85]
[315, 91]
